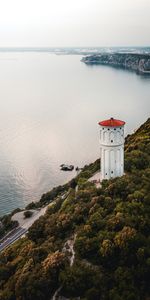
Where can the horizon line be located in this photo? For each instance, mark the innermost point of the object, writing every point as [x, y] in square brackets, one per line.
[61, 47]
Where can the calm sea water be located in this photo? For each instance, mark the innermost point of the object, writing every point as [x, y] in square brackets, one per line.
[49, 109]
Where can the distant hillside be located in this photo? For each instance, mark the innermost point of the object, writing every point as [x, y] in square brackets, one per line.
[107, 228]
[137, 62]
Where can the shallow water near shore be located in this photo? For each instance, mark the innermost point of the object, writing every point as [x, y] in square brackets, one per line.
[50, 106]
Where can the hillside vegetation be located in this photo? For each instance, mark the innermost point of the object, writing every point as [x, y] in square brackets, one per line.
[138, 62]
[110, 226]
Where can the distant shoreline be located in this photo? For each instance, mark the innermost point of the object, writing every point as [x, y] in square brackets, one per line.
[137, 62]
[78, 50]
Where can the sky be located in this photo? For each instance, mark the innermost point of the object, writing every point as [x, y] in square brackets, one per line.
[79, 23]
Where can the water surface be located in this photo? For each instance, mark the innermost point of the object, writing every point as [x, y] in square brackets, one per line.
[49, 109]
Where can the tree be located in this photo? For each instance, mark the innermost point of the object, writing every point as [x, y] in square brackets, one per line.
[28, 214]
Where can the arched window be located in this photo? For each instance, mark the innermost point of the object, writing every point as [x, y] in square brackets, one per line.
[112, 136]
[118, 136]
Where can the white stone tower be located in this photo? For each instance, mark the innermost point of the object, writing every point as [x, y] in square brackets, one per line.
[112, 148]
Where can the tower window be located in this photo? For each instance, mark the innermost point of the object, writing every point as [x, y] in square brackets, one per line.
[108, 129]
[103, 128]
[112, 172]
[106, 174]
[111, 141]
[114, 128]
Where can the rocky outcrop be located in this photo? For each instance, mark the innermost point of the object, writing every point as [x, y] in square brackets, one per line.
[68, 248]
[137, 62]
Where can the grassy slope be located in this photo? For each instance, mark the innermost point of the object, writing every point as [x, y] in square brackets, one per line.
[112, 243]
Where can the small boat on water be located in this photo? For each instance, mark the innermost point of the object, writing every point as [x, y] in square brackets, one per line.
[64, 167]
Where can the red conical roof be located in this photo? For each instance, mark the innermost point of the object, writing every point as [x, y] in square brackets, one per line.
[112, 123]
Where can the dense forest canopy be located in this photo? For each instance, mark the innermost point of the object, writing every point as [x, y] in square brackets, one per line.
[110, 226]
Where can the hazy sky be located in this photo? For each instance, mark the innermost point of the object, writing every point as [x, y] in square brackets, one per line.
[74, 22]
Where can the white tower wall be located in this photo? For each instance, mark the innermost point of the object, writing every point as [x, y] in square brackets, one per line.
[111, 151]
